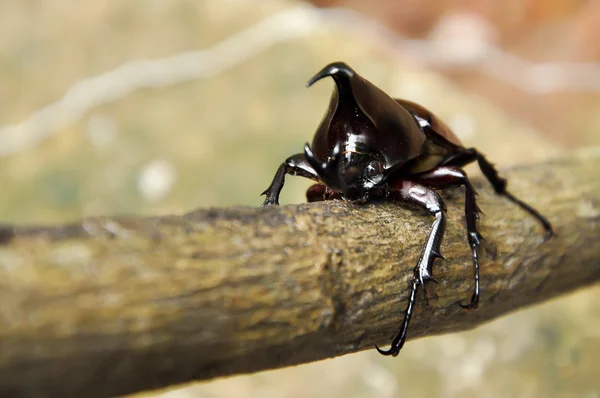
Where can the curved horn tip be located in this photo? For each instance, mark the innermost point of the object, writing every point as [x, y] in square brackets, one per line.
[333, 69]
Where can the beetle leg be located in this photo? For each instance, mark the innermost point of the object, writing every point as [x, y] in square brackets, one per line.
[319, 193]
[499, 183]
[411, 192]
[294, 165]
[316, 193]
[447, 176]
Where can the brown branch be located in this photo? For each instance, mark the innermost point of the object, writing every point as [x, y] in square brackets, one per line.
[114, 306]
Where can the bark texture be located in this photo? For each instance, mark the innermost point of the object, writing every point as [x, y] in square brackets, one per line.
[111, 306]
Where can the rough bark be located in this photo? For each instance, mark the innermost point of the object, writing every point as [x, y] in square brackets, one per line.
[111, 306]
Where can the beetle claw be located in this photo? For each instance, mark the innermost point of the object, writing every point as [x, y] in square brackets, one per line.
[470, 306]
[267, 203]
[392, 351]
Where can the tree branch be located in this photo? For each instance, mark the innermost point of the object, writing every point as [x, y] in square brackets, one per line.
[113, 306]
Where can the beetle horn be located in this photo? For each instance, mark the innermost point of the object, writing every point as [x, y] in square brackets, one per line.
[328, 171]
[337, 70]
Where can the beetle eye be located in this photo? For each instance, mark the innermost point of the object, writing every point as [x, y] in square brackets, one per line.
[374, 171]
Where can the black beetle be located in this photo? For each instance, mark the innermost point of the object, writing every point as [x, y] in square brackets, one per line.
[371, 146]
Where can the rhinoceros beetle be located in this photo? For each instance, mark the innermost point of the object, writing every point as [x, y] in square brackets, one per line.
[371, 146]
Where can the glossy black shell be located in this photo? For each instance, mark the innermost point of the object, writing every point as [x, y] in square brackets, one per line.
[362, 118]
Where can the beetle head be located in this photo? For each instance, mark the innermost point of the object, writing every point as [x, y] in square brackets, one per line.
[352, 174]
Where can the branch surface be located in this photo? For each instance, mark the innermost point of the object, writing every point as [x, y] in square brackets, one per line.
[112, 306]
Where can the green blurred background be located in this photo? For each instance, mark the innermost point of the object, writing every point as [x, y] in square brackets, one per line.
[162, 106]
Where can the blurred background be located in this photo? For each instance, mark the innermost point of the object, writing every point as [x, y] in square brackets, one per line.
[162, 106]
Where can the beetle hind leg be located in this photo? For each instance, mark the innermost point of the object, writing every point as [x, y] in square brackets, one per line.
[499, 183]
[543, 220]
[474, 238]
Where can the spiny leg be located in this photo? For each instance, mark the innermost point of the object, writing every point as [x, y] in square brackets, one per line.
[448, 176]
[411, 192]
[294, 165]
[400, 338]
[499, 183]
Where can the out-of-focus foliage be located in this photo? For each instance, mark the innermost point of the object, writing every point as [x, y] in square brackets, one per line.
[538, 30]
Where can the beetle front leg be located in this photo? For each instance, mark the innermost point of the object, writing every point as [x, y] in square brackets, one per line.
[449, 176]
[294, 165]
[411, 192]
